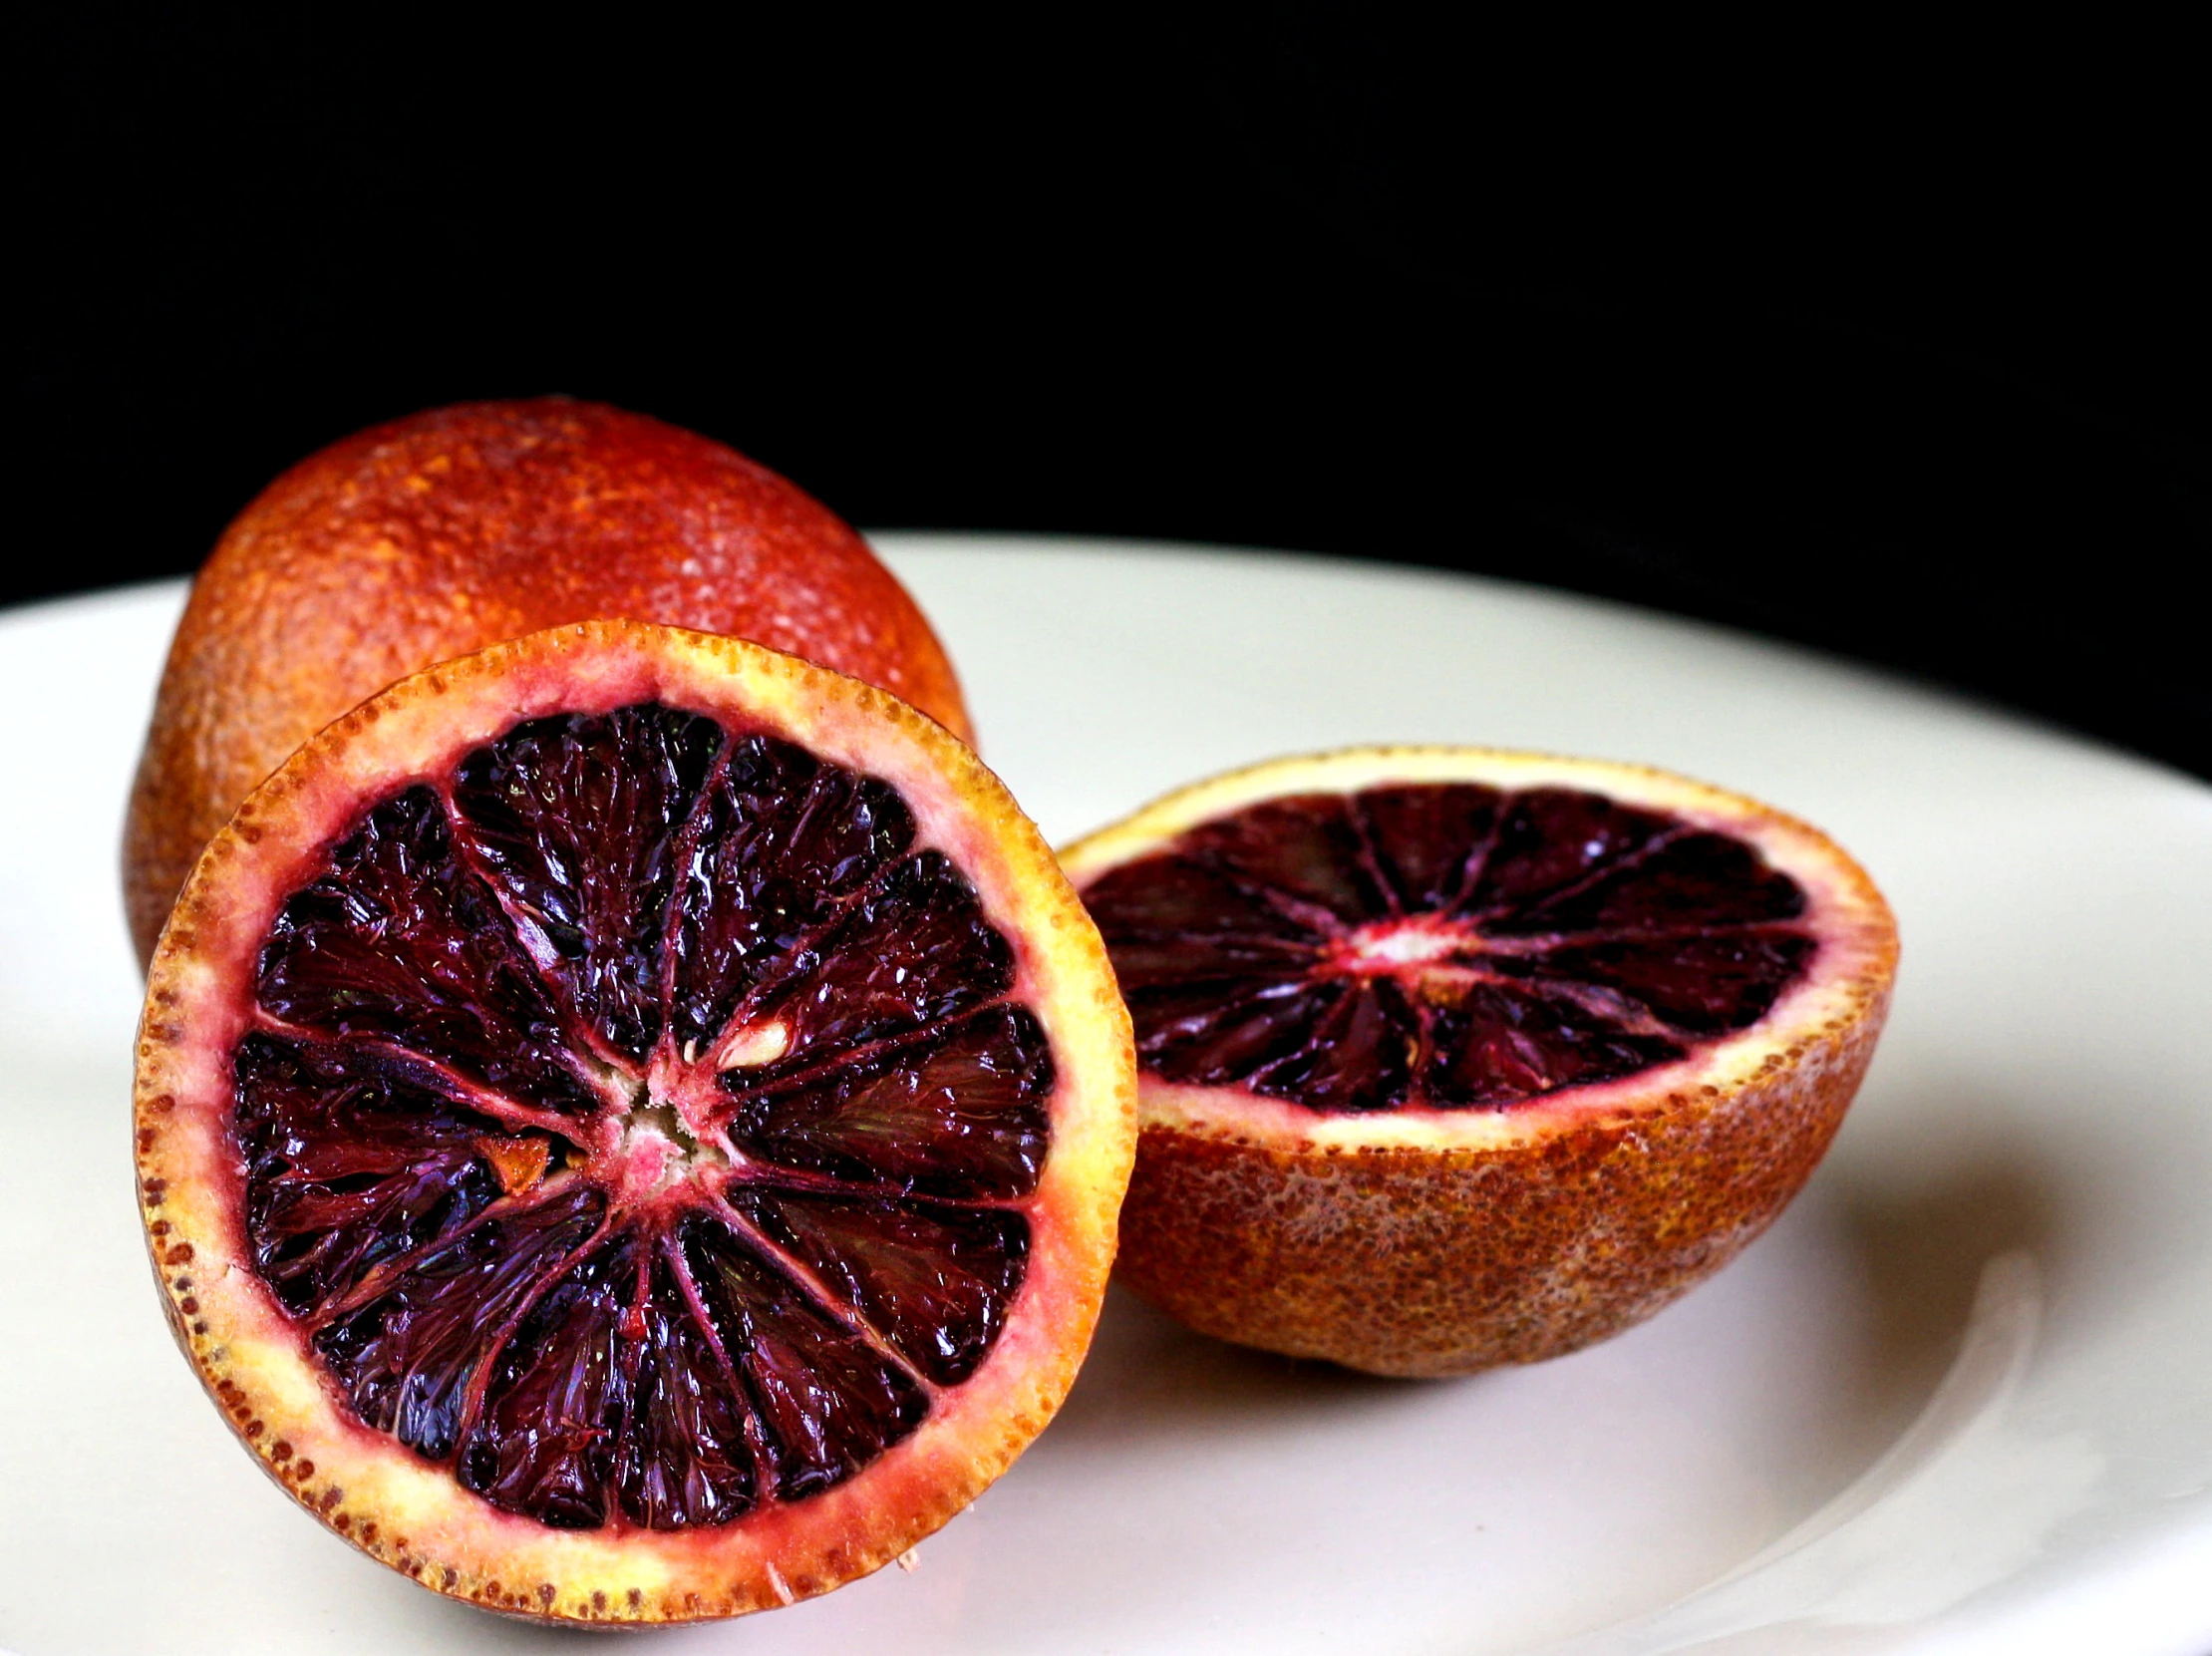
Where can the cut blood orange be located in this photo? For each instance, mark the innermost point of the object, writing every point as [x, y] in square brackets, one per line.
[630, 1125]
[1452, 1057]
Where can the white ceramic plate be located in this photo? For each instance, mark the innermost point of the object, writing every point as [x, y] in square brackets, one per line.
[1958, 1399]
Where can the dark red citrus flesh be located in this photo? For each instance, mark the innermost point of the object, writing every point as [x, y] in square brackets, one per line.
[640, 1123]
[1443, 945]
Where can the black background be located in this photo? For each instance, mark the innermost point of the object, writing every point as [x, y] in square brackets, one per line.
[1889, 344]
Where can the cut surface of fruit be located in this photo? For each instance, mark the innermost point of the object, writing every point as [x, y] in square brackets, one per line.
[1450, 1057]
[444, 533]
[630, 1125]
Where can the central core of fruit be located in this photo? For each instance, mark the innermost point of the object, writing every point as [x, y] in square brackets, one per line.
[656, 1150]
[640, 1123]
[1398, 943]
[1443, 945]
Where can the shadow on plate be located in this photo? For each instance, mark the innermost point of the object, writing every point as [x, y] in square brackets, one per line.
[1147, 1373]
[1917, 1253]
[1923, 1250]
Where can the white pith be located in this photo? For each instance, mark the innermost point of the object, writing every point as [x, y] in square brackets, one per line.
[1389, 944]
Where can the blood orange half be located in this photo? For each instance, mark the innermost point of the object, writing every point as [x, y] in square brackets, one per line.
[1452, 1057]
[630, 1125]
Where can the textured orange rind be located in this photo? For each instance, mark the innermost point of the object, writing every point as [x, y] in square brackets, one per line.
[1444, 1241]
[249, 1354]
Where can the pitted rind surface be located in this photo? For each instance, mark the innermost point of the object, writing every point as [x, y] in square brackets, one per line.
[248, 1354]
[436, 536]
[1403, 1263]
[1423, 1241]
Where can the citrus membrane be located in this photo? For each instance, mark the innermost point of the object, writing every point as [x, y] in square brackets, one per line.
[1448, 945]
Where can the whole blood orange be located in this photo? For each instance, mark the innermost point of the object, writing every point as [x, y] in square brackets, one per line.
[1450, 1058]
[438, 535]
[630, 1125]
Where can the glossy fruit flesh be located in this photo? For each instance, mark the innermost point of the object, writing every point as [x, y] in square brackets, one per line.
[630, 1125]
[1443, 945]
[644, 1174]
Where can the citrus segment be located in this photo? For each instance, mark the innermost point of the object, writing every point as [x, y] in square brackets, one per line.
[646, 1090]
[1452, 1057]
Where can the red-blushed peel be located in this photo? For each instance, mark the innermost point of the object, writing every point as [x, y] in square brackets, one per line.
[438, 535]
